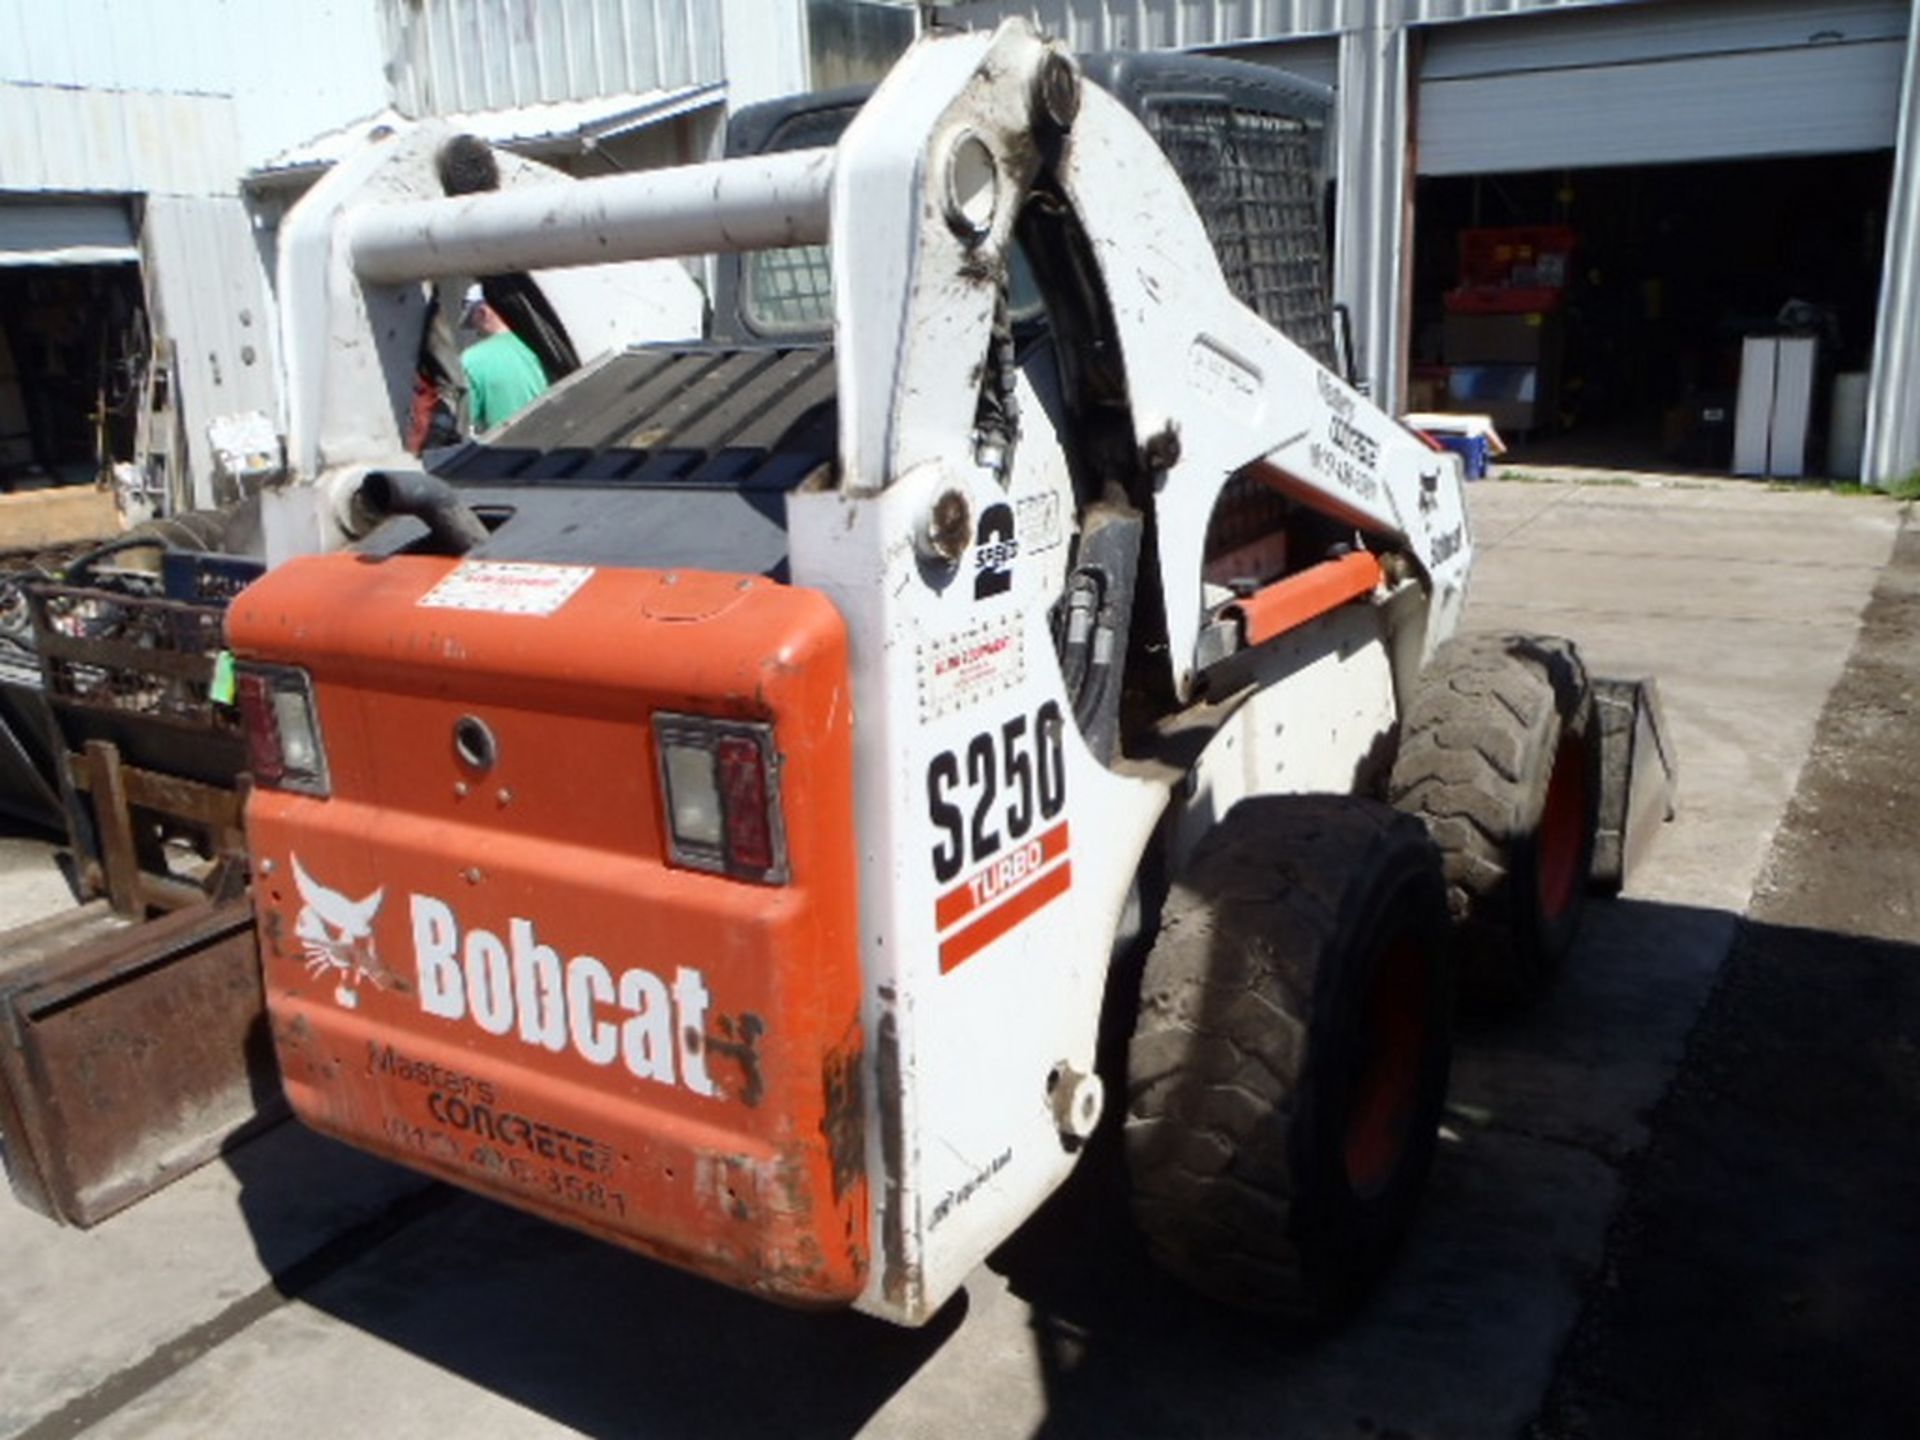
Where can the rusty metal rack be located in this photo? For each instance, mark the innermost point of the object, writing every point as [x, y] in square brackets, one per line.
[149, 758]
[133, 1039]
[113, 652]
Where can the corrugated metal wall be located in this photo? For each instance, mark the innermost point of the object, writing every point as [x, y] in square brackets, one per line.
[207, 289]
[129, 94]
[305, 67]
[1893, 405]
[1671, 30]
[1373, 214]
[53, 138]
[460, 55]
[1316, 59]
[1196, 24]
[1681, 82]
[766, 49]
[181, 45]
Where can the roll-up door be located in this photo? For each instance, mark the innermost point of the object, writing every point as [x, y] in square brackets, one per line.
[80, 232]
[1651, 84]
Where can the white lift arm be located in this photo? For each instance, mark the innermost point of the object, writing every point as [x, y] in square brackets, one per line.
[919, 200]
[753, 204]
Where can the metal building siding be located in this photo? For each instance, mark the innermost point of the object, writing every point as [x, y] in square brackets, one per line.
[765, 45]
[304, 67]
[462, 55]
[118, 92]
[1661, 83]
[55, 138]
[1199, 24]
[1893, 402]
[1371, 218]
[176, 45]
[1668, 31]
[301, 52]
[1316, 59]
[207, 285]
[1184, 24]
[1759, 103]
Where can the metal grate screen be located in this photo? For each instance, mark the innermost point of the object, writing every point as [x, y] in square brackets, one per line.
[790, 291]
[1253, 179]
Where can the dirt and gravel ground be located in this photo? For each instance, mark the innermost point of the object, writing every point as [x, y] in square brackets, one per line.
[1752, 1283]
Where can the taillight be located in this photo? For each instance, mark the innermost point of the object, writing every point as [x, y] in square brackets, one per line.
[282, 728]
[720, 783]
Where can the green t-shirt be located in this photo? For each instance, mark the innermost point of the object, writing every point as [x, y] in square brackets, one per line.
[502, 376]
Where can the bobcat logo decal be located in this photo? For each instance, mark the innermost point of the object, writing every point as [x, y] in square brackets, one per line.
[336, 935]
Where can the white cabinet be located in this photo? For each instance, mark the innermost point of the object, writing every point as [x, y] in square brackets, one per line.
[1775, 406]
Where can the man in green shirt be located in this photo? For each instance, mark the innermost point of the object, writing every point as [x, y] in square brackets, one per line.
[503, 374]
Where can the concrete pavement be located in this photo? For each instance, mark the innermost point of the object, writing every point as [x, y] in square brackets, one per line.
[1763, 1269]
[457, 1315]
[31, 885]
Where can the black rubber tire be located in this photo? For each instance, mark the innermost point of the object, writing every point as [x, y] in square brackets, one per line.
[197, 531]
[1289, 1061]
[201, 530]
[1500, 756]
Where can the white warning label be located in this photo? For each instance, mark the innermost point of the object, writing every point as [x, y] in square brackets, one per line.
[958, 671]
[503, 587]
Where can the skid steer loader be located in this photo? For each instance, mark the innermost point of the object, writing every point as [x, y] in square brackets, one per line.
[719, 808]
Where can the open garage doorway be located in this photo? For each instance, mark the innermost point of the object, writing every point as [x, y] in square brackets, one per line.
[1601, 314]
[71, 341]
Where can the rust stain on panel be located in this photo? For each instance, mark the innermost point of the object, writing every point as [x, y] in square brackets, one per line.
[737, 1041]
[844, 1123]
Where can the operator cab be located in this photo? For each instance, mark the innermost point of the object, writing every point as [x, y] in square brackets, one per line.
[681, 456]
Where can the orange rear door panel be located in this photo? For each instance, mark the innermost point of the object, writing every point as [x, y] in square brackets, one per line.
[496, 976]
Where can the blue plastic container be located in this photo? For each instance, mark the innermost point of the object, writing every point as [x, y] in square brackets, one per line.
[1472, 450]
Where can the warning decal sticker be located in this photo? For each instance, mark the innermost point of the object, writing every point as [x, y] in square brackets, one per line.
[502, 587]
[959, 671]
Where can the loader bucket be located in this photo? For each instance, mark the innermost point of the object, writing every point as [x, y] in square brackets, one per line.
[132, 1049]
[1637, 776]
[130, 1053]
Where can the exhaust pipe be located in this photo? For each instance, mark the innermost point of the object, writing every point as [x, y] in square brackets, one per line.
[451, 525]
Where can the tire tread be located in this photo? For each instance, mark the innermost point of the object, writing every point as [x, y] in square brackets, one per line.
[1488, 705]
[1220, 1045]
